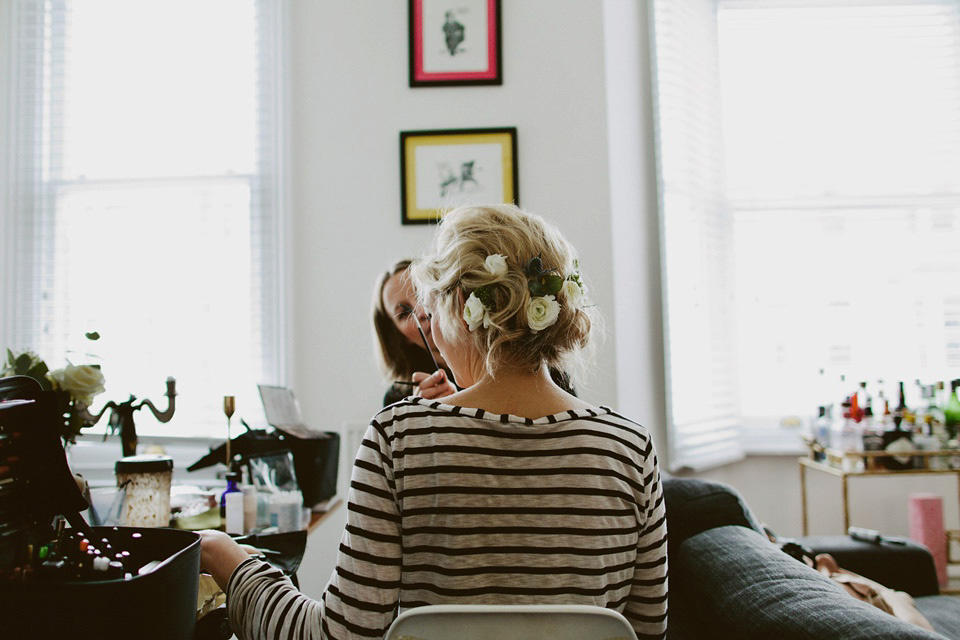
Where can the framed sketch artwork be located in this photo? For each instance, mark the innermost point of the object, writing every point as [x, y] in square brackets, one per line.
[454, 42]
[443, 169]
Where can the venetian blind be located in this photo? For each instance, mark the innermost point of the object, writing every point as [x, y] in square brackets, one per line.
[145, 198]
[696, 234]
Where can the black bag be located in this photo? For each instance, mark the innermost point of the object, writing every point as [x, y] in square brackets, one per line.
[316, 458]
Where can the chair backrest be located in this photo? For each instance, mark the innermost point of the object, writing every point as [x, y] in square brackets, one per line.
[510, 622]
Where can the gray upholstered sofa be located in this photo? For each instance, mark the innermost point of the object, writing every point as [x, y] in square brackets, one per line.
[727, 580]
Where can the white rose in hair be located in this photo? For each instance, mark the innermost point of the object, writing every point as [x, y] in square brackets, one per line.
[542, 312]
[81, 382]
[573, 293]
[486, 319]
[496, 265]
[474, 313]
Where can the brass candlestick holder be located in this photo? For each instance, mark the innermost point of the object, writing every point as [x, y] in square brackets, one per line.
[229, 406]
[121, 416]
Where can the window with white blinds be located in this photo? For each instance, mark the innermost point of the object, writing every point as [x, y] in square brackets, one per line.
[809, 173]
[696, 233]
[145, 198]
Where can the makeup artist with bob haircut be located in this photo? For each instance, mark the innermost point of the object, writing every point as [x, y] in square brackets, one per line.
[399, 342]
[511, 491]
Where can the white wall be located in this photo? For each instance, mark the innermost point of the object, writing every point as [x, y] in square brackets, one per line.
[634, 219]
[6, 240]
[350, 101]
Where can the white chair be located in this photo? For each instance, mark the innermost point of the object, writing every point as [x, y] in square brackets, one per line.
[510, 622]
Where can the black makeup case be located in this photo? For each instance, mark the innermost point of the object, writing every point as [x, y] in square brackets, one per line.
[35, 486]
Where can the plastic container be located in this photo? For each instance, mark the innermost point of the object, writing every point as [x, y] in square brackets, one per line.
[146, 480]
[249, 508]
[286, 511]
[234, 520]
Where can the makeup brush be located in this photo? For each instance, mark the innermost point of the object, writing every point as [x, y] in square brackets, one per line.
[426, 345]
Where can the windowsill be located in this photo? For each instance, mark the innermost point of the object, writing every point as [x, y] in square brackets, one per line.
[94, 436]
[94, 458]
[772, 441]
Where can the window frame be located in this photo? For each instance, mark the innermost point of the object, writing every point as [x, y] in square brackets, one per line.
[275, 308]
[754, 434]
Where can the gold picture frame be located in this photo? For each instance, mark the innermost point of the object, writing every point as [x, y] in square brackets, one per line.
[445, 168]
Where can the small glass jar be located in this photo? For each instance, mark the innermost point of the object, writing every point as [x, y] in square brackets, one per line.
[146, 482]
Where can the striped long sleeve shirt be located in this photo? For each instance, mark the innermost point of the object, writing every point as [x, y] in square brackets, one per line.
[449, 505]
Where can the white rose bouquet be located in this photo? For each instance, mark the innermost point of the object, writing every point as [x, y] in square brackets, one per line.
[81, 382]
[73, 386]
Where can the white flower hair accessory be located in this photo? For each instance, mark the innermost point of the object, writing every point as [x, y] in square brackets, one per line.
[542, 312]
[544, 285]
[477, 308]
[573, 293]
[475, 313]
[496, 265]
[573, 290]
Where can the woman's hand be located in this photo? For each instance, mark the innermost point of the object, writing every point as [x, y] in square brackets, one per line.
[219, 556]
[433, 386]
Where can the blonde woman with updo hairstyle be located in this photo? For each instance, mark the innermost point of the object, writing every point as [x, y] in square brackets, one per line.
[509, 491]
[508, 345]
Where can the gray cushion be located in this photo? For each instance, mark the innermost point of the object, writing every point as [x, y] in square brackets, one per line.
[695, 505]
[731, 582]
[943, 612]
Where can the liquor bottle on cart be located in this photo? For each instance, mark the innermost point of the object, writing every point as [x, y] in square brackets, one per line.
[847, 436]
[873, 427]
[951, 412]
[899, 439]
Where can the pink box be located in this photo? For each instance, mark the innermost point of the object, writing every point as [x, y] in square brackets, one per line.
[926, 527]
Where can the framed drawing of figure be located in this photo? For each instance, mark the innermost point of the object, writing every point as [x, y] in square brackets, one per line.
[443, 169]
[455, 42]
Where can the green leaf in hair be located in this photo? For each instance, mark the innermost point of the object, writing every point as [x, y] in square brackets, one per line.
[485, 295]
[545, 285]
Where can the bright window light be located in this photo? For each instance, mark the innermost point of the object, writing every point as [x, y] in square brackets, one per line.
[149, 213]
[808, 159]
[842, 163]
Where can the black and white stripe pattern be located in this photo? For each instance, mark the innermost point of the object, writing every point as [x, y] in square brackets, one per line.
[457, 505]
